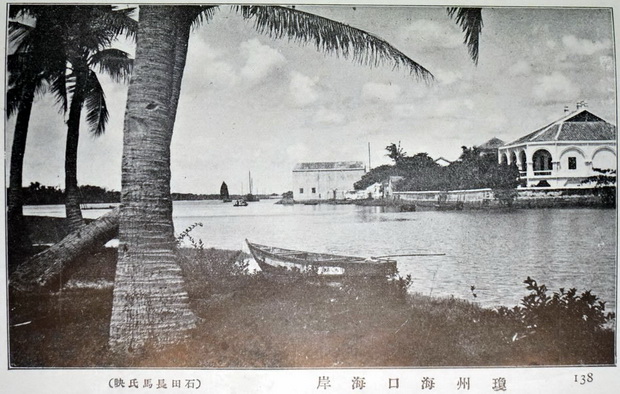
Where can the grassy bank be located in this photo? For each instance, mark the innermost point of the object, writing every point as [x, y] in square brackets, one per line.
[246, 321]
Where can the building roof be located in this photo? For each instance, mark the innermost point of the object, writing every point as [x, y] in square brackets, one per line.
[581, 125]
[442, 161]
[330, 166]
[491, 144]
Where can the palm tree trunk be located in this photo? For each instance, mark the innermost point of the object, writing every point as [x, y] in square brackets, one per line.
[43, 269]
[150, 303]
[19, 243]
[72, 192]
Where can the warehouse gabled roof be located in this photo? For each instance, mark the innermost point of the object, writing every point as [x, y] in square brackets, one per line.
[330, 166]
[577, 126]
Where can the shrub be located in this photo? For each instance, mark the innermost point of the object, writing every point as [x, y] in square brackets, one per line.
[573, 324]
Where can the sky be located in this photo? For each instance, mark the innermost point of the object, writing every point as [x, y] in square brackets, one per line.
[250, 103]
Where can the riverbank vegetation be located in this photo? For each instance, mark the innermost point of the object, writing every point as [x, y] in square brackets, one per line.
[475, 169]
[38, 194]
[247, 321]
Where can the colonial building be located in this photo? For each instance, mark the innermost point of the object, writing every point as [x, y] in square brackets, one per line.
[562, 154]
[326, 180]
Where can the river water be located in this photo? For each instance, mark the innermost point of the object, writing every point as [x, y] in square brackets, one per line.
[494, 250]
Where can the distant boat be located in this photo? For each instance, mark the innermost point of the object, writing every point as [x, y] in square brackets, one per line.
[240, 203]
[251, 197]
[287, 262]
[224, 193]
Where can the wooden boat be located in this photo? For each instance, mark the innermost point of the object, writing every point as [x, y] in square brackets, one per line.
[287, 262]
[240, 203]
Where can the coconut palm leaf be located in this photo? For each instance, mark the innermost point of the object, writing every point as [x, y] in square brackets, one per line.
[114, 62]
[329, 36]
[470, 20]
[18, 32]
[13, 98]
[204, 14]
[96, 109]
[120, 22]
[58, 86]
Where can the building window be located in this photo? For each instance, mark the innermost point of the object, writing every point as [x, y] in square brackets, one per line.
[572, 163]
[314, 190]
[301, 190]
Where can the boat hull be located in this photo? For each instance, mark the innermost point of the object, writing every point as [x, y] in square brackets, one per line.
[293, 263]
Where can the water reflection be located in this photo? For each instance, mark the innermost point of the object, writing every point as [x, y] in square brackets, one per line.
[491, 250]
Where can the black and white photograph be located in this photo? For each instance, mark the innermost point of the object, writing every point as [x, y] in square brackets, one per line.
[310, 197]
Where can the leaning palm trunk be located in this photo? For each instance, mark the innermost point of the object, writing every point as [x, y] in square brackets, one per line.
[150, 303]
[19, 243]
[44, 269]
[72, 192]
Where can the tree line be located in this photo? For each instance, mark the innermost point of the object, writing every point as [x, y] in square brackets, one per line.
[38, 194]
[475, 169]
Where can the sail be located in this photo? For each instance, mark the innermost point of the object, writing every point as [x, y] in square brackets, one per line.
[224, 191]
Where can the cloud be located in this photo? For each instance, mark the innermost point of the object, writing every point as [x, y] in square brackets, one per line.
[607, 62]
[584, 47]
[373, 91]
[329, 117]
[551, 44]
[205, 66]
[520, 68]
[555, 87]
[297, 152]
[261, 60]
[428, 33]
[303, 89]
[447, 77]
[434, 109]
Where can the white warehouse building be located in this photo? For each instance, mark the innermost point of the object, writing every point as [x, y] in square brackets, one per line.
[564, 153]
[325, 180]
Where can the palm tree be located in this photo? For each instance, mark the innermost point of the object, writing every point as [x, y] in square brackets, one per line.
[35, 63]
[150, 304]
[62, 35]
[89, 33]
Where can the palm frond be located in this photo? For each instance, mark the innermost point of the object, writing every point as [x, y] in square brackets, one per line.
[470, 21]
[204, 14]
[13, 99]
[18, 32]
[330, 36]
[58, 86]
[119, 22]
[114, 62]
[96, 109]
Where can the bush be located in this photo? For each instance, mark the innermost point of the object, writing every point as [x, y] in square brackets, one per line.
[571, 323]
[209, 270]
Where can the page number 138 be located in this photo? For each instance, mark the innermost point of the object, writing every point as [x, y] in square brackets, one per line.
[583, 379]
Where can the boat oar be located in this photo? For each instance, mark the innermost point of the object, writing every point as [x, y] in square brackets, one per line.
[409, 255]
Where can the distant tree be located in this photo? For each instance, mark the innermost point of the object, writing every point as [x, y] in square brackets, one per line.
[395, 152]
[377, 174]
[420, 171]
[288, 194]
[476, 169]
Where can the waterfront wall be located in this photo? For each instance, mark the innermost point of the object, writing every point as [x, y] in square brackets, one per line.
[486, 198]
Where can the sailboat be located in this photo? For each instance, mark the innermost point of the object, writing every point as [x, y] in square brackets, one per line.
[224, 193]
[250, 197]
